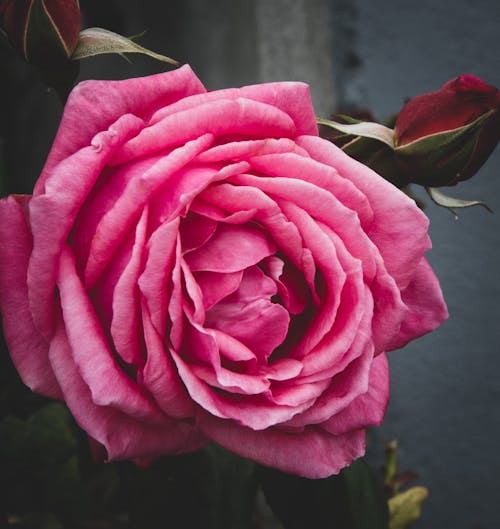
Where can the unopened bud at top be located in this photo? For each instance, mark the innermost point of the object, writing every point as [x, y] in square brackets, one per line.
[43, 31]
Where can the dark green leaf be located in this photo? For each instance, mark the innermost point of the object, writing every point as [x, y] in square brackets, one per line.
[367, 503]
[238, 488]
[352, 500]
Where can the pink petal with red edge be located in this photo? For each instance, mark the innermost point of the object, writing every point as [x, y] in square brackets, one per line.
[154, 282]
[52, 214]
[123, 436]
[126, 321]
[230, 249]
[369, 408]
[240, 116]
[109, 385]
[427, 308]
[400, 243]
[94, 105]
[293, 98]
[313, 453]
[127, 208]
[159, 375]
[27, 347]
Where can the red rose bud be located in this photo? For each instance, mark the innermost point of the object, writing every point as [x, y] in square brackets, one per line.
[444, 137]
[43, 31]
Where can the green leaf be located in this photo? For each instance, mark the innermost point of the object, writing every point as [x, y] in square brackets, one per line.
[365, 129]
[220, 484]
[352, 500]
[238, 489]
[367, 503]
[452, 203]
[405, 507]
[98, 41]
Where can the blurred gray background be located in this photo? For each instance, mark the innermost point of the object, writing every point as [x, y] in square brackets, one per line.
[445, 399]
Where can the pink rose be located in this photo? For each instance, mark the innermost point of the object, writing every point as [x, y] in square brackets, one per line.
[197, 266]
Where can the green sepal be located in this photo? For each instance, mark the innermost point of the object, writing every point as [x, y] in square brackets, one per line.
[452, 203]
[438, 159]
[99, 41]
[365, 129]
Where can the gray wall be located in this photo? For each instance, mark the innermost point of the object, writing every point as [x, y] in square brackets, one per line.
[445, 389]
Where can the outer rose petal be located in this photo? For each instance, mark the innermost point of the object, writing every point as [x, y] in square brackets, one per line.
[53, 213]
[400, 243]
[123, 436]
[94, 105]
[369, 408]
[313, 453]
[28, 349]
[424, 298]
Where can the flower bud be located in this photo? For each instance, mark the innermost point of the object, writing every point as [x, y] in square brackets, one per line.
[444, 137]
[43, 31]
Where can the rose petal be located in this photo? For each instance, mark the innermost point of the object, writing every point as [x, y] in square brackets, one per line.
[314, 453]
[162, 249]
[27, 347]
[127, 208]
[294, 99]
[123, 436]
[400, 243]
[53, 213]
[369, 408]
[232, 248]
[127, 337]
[293, 165]
[195, 231]
[427, 309]
[159, 375]
[216, 286]
[243, 150]
[109, 385]
[249, 316]
[242, 117]
[94, 105]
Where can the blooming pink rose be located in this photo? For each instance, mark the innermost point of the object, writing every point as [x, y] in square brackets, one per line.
[198, 266]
